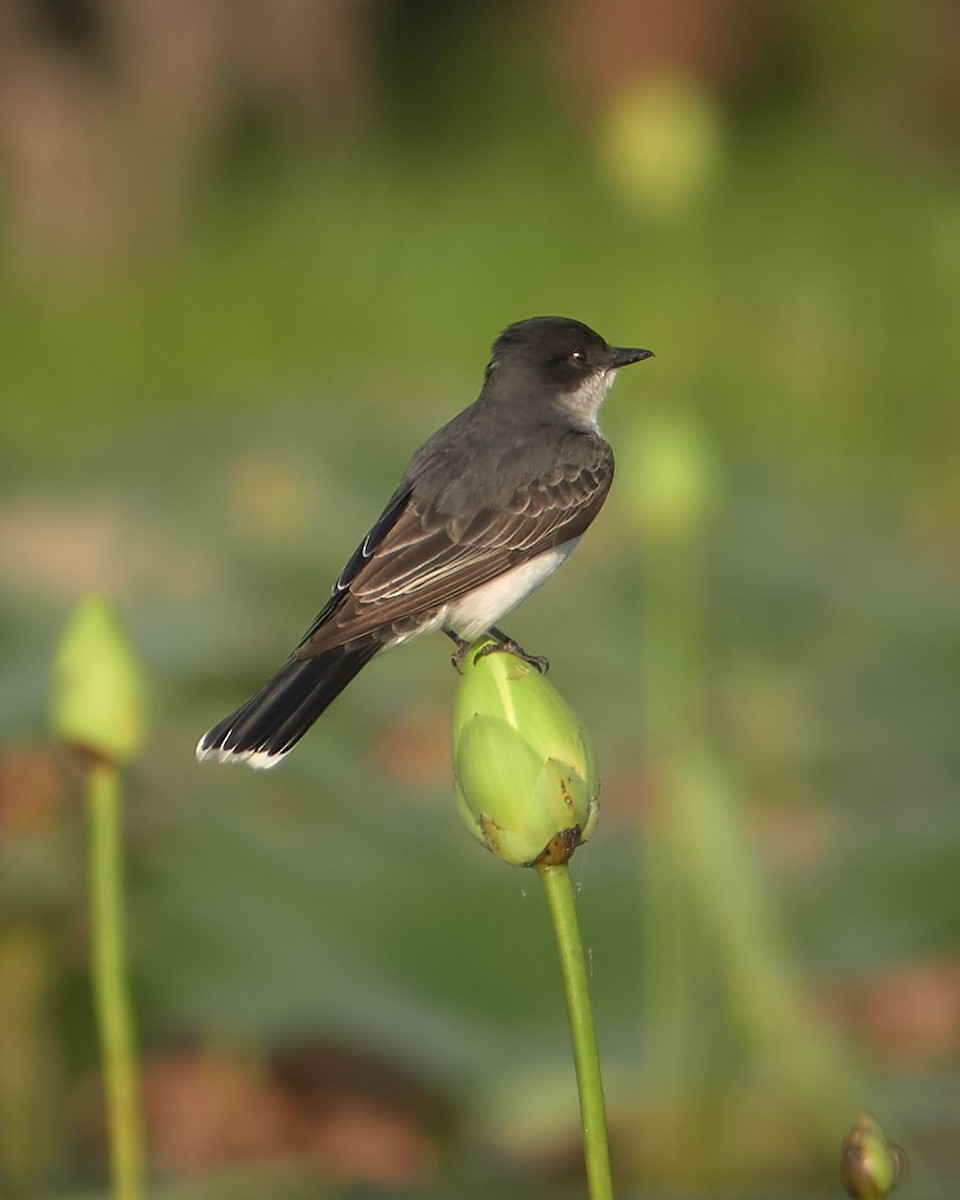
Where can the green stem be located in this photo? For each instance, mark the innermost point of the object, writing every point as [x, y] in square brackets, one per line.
[109, 983]
[558, 886]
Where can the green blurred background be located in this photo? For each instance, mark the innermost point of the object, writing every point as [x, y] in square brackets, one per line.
[252, 255]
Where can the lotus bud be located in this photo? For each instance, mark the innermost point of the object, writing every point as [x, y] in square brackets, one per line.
[870, 1163]
[661, 143]
[97, 704]
[526, 771]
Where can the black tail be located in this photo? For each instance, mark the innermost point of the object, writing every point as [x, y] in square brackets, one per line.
[271, 723]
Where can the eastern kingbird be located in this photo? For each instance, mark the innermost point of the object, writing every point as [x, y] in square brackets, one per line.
[486, 511]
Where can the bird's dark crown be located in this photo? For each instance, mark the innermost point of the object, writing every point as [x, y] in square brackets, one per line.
[562, 349]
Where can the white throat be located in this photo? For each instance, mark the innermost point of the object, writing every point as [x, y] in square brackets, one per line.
[584, 402]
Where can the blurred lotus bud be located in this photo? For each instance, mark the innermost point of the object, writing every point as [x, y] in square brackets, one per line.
[526, 771]
[97, 703]
[660, 141]
[671, 477]
[870, 1164]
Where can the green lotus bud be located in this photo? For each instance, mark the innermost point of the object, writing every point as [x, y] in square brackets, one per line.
[661, 143]
[526, 771]
[97, 703]
[671, 480]
[870, 1164]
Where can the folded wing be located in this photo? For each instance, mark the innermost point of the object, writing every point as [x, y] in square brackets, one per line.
[418, 558]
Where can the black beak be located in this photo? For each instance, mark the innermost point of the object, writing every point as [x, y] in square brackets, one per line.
[623, 356]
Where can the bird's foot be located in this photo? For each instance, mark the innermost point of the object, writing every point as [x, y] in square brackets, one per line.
[507, 645]
[500, 645]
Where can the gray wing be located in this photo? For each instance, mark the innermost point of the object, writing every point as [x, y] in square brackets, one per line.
[418, 558]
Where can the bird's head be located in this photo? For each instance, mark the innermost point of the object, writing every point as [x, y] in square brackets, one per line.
[560, 362]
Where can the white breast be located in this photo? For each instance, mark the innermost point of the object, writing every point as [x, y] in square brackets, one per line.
[475, 612]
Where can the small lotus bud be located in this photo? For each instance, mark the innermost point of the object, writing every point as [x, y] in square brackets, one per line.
[661, 142]
[672, 483]
[526, 771]
[870, 1164]
[97, 703]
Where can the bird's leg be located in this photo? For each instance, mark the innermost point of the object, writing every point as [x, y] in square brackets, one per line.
[509, 646]
[460, 653]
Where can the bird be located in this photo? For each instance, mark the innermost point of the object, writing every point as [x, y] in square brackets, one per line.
[487, 510]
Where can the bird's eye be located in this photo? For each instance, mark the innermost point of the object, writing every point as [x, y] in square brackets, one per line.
[578, 356]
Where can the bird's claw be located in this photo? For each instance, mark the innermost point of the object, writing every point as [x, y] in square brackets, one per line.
[507, 645]
[501, 644]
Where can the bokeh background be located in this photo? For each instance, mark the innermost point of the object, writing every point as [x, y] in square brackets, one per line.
[253, 253]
